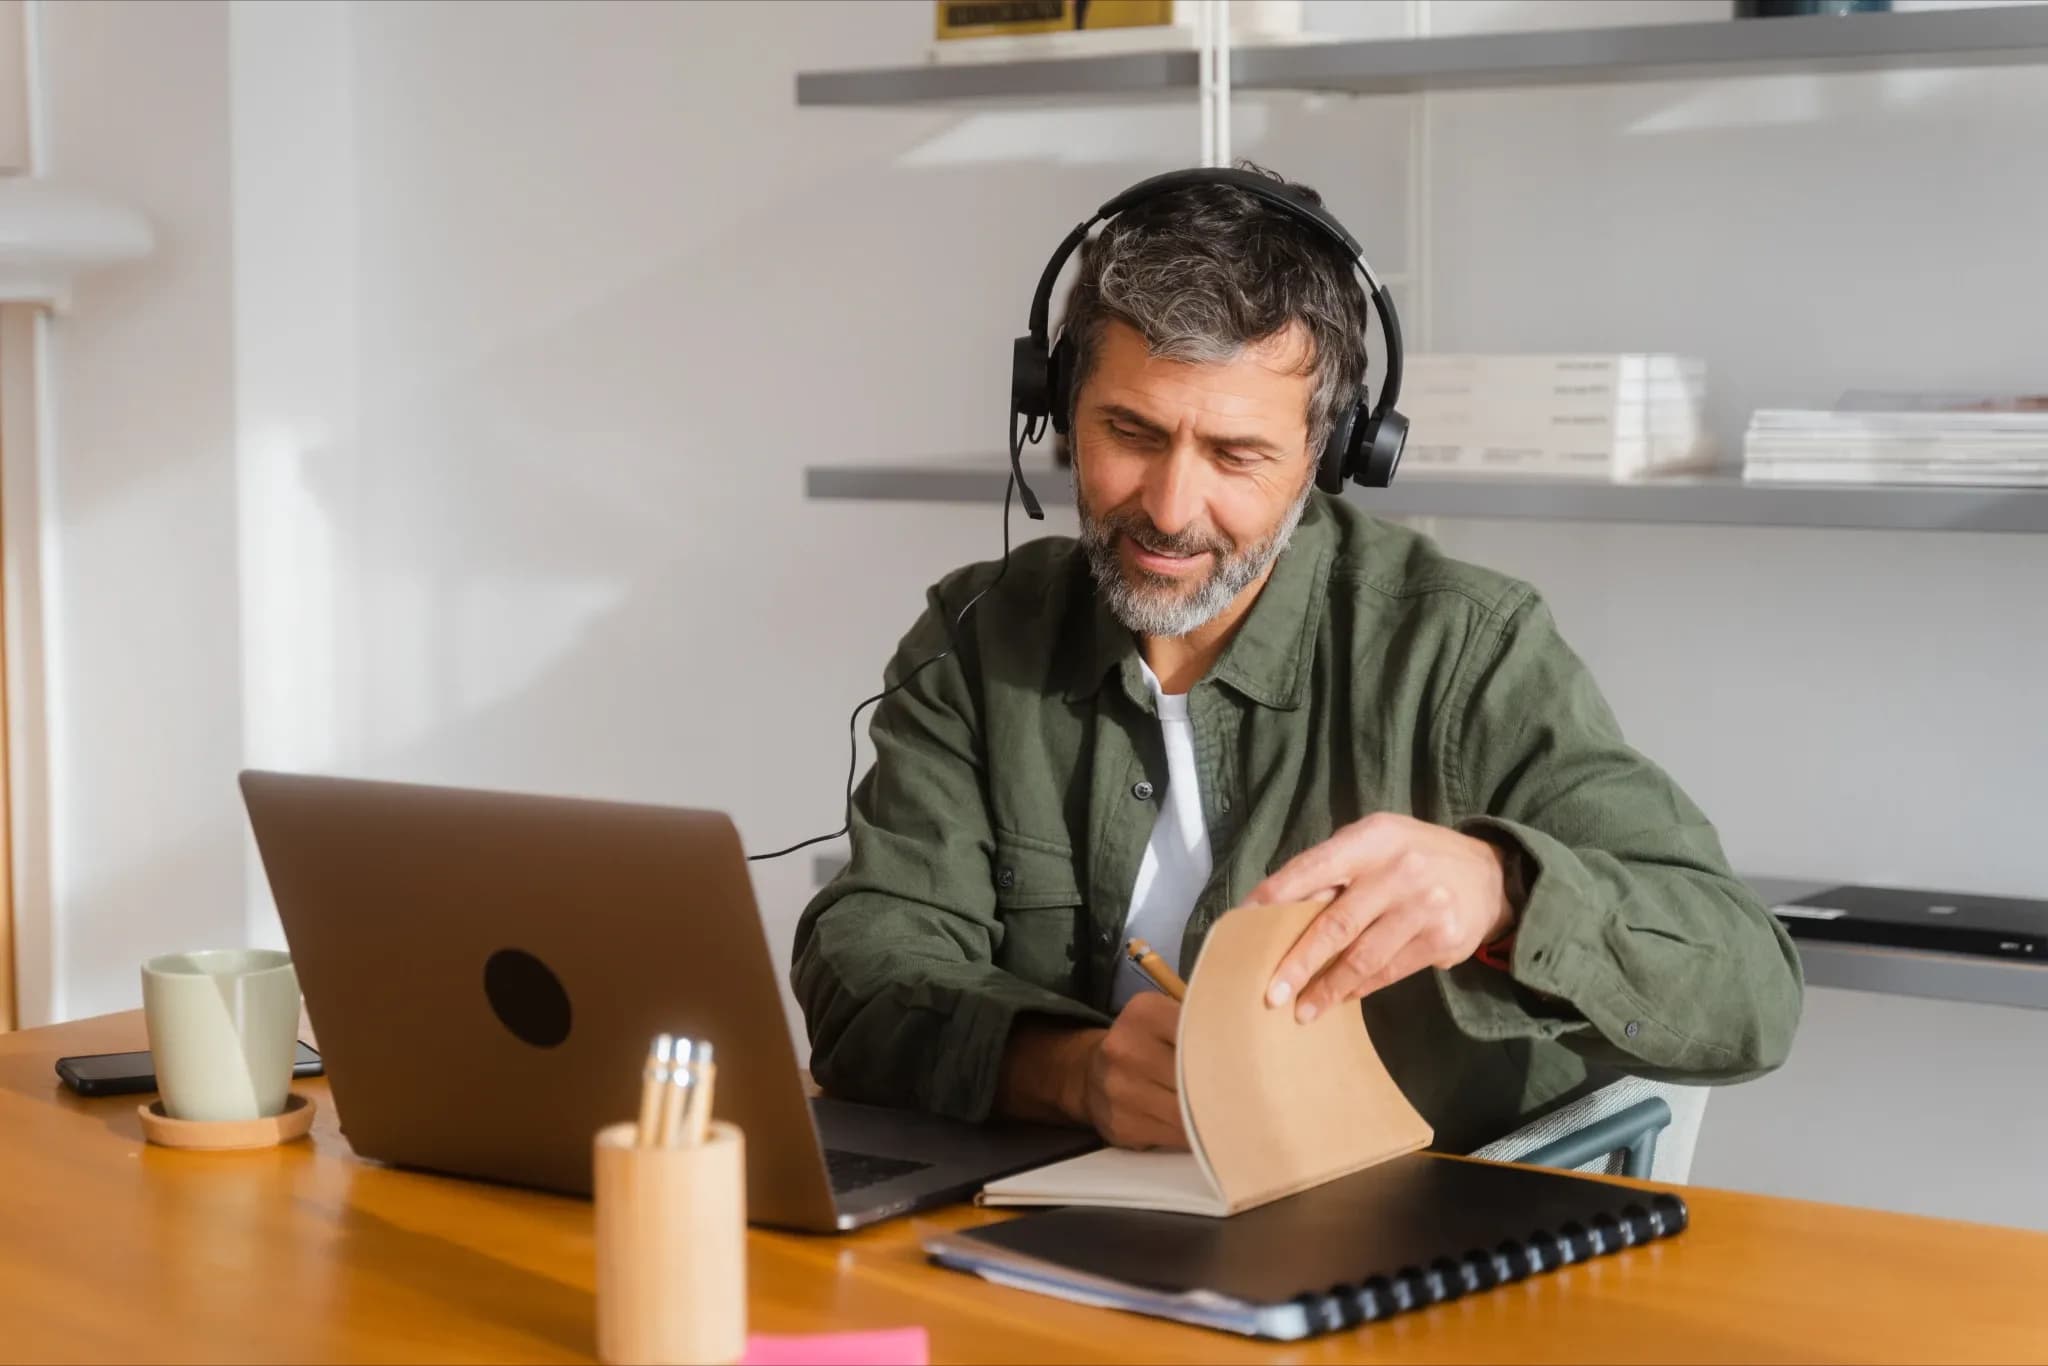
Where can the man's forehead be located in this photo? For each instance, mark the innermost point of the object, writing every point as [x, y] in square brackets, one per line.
[1265, 381]
[1286, 352]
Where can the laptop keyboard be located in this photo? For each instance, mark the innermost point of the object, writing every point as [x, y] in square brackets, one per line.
[850, 1172]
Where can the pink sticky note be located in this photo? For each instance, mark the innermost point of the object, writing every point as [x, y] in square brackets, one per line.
[888, 1347]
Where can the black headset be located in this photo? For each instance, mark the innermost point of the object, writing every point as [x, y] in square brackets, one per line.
[1365, 442]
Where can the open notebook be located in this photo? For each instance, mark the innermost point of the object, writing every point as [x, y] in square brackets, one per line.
[1271, 1107]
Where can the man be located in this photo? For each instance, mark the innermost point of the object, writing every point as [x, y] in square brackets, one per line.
[1236, 689]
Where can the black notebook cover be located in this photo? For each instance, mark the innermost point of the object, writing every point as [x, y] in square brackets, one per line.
[1410, 1232]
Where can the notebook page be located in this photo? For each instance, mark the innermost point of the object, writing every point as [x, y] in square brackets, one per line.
[1115, 1178]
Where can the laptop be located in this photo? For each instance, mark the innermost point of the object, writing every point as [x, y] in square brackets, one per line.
[1950, 922]
[485, 971]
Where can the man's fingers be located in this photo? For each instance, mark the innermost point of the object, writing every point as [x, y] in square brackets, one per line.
[1146, 1131]
[1162, 1103]
[1143, 1040]
[1142, 1113]
[1172, 1137]
[1347, 975]
[1135, 1093]
[1153, 1014]
[1310, 870]
[1325, 867]
[1155, 1111]
[1152, 1059]
[1333, 863]
[1135, 1096]
[1328, 935]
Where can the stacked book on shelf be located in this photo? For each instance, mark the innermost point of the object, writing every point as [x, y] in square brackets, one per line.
[1881, 438]
[1611, 417]
[1023, 30]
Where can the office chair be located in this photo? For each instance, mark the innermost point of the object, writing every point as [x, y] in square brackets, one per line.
[1629, 1127]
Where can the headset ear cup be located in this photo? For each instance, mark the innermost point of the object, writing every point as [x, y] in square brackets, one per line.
[1337, 452]
[1059, 383]
[1029, 375]
[1381, 450]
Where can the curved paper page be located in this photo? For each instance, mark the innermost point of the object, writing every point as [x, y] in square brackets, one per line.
[1275, 1107]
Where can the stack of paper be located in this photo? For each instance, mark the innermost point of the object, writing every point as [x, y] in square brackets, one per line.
[1578, 416]
[1903, 439]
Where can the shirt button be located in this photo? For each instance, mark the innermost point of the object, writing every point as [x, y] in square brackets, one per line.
[1633, 1028]
[1006, 878]
[1142, 791]
[1104, 938]
[1223, 802]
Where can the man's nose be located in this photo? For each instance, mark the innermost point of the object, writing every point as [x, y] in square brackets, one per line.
[1173, 492]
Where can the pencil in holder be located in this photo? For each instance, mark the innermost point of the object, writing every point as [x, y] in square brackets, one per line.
[671, 1248]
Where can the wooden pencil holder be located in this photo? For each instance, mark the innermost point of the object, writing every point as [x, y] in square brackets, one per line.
[671, 1249]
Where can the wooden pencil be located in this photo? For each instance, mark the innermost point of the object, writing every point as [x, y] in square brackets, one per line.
[653, 1082]
[1148, 961]
[703, 1075]
[673, 1096]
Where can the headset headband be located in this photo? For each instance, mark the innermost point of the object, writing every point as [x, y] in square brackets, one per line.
[1268, 191]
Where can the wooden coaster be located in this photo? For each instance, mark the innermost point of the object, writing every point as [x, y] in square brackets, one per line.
[295, 1121]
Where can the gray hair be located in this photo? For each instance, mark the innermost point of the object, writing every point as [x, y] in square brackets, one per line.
[1203, 272]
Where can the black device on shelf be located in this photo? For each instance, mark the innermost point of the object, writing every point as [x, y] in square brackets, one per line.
[1777, 9]
[1903, 917]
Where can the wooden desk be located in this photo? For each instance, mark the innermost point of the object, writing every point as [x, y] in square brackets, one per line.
[114, 1250]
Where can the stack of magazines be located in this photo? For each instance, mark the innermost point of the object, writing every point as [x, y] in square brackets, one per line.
[1603, 416]
[1890, 438]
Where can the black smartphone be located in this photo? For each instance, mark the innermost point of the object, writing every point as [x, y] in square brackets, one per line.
[118, 1074]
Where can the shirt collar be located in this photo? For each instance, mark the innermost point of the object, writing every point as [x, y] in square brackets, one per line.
[1267, 660]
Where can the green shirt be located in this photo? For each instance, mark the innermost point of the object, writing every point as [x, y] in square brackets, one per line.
[1016, 783]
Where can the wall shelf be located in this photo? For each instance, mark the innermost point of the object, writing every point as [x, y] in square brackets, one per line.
[1709, 501]
[52, 233]
[1960, 36]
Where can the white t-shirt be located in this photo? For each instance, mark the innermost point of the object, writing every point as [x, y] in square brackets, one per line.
[1176, 863]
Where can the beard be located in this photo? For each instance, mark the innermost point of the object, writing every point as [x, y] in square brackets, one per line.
[1161, 605]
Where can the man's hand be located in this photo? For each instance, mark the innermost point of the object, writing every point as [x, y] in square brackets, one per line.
[1120, 1080]
[1403, 895]
[1132, 1096]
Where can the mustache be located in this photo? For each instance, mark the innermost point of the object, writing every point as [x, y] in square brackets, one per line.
[1188, 541]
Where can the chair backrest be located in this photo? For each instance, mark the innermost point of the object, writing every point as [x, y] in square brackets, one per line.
[1675, 1143]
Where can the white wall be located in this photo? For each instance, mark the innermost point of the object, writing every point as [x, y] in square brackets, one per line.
[143, 700]
[1928, 1107]
[550, 535]
[457, 434]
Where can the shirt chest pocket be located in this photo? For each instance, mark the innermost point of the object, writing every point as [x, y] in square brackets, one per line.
[1042, 913]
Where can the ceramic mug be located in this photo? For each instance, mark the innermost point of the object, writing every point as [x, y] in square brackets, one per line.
[223, 1029]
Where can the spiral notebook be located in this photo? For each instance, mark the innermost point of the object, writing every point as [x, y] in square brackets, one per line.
[1403, 1235]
